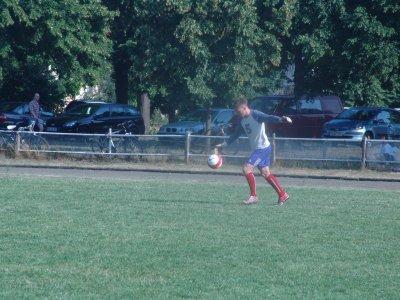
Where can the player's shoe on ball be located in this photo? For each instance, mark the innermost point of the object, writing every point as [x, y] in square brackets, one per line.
[251, 200]
[282, 199]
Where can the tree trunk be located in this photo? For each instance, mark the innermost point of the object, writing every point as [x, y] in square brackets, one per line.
[171, 114]
[145, 107]
[121, 72]
[298, 74]
[208, 122]
[208, 130]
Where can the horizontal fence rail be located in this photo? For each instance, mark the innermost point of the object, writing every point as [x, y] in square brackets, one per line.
[191, 148]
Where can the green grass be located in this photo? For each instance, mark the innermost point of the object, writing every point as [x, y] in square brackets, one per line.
[85, 238]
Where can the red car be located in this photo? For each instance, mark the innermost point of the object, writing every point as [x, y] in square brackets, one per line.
[309, 114]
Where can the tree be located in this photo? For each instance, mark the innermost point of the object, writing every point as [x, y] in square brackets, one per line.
[232, 47]
[197, 53]
[53, 47]
[347, 47]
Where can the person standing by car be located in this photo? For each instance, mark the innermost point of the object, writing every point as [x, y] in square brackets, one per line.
[388, 151]
[34, 111]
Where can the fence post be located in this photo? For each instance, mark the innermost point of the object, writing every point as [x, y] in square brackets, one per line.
[364, 153]
[324, 150]
[273, 145]
[187, 146]
[110, 141]
[17, 145]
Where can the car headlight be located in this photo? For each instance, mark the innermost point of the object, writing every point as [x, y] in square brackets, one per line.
[70, 124]
[358, 129]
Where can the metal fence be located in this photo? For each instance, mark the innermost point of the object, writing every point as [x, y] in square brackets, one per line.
[383, 154]
[191, 148]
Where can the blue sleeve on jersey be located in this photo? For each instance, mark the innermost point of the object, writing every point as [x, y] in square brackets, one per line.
[237, 133]
[264, 118]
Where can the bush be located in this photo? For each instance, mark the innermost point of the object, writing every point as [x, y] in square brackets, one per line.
[157, 120]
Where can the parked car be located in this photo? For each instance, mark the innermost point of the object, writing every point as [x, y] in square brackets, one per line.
[96, 118]
[195, 122]
[17, 113]
[309, 114]
[75, 103]
[364, 122]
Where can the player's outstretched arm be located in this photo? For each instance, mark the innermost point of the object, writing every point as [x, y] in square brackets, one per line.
[264, 118]
[237, 133]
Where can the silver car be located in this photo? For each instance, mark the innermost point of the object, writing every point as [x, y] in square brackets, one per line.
[364, 122]
[195, 122]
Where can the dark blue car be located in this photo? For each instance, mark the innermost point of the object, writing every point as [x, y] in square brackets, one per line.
[17, 113]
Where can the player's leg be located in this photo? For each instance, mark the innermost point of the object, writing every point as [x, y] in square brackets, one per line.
[38, 125]
[270, 178]
[248, 171]
[274, 182]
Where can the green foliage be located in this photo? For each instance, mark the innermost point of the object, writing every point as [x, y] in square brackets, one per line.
[190, 53]
[104, 89]
[53, 47]
[199, 53]
[157, 120]
[350, 48]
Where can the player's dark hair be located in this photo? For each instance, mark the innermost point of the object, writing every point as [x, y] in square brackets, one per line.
[240, 101]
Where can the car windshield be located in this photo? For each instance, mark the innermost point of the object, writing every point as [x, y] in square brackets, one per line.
[357, 114]
[84, 109]
[197, 116]
[8, 107]
[268, 106]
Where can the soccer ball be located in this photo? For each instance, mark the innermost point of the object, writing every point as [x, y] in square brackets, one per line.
[214, 161]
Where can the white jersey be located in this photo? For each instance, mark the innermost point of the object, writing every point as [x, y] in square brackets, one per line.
[254, 127]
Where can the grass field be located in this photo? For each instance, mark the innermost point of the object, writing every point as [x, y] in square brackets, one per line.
[85, 238]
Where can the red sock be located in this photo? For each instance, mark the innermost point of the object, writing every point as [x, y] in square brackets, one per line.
[273, 181]
[252, 183]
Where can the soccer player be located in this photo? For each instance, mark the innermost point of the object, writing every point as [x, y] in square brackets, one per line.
[252, 123]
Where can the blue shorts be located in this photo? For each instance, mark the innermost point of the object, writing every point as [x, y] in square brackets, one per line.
[261, 158]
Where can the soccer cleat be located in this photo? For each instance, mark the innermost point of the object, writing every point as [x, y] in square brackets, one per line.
[282, 199]
[251, 200]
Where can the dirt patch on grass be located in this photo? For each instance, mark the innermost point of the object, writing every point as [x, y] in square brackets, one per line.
[165, 166]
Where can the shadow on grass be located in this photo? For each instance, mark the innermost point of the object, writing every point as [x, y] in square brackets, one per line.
[188, 201]
[235, 203]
